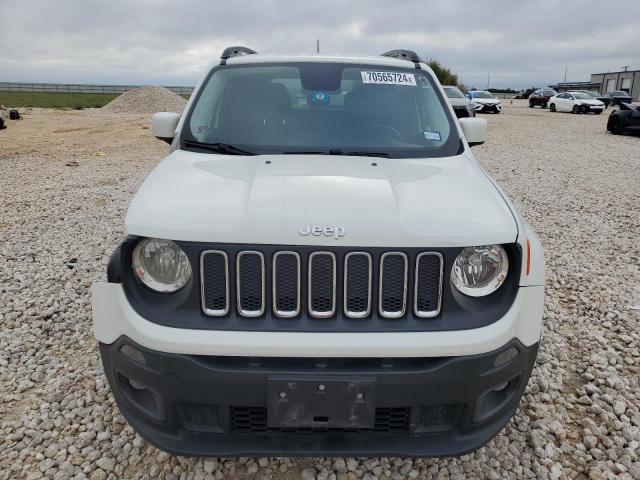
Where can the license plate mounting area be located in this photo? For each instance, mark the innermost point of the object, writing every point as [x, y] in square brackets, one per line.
[322, 402]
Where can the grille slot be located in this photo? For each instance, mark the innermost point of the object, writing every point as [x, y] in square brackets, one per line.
[428, 285]
[439, 418]
[250, 288]
[199, 417]
[254, 420]
[393, 284]
[286, 284]
[357, 284]
[322, 284]
[214, 281]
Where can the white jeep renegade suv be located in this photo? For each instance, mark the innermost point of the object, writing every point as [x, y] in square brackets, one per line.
[320, 267]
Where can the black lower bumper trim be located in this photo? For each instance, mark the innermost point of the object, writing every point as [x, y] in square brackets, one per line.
[222, 406]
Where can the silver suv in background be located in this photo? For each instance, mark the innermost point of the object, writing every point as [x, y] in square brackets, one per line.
[462, 106]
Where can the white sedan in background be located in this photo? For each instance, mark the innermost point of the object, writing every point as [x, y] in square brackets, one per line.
[575, 102]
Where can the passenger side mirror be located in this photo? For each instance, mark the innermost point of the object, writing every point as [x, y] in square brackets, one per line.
[474, 129]
[164, 125]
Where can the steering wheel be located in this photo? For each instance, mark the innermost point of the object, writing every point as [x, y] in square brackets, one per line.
[380, 128]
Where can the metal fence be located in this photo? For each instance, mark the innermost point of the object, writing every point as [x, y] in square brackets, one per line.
[79, 88]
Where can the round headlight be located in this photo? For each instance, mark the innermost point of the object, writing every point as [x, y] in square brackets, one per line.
[161, 265]
[479, 271]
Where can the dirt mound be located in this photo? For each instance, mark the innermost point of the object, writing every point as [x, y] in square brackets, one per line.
[146, 100]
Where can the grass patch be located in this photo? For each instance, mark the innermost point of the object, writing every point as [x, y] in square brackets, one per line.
[55, 100]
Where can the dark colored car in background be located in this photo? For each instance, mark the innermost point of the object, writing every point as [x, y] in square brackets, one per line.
[624, 120]
[462, 106]
[540, 97]
[618, 97]
[598, 96]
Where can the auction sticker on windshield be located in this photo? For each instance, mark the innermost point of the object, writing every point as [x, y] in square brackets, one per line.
[389, 78]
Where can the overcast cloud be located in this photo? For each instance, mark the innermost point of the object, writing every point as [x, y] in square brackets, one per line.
[520, 44]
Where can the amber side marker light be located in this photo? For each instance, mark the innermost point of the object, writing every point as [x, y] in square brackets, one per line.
[528, 256]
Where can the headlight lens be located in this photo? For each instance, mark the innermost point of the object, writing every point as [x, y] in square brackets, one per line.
[479, 271]
[161, 265]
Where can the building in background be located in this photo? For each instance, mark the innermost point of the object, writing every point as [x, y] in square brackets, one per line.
[628, 80]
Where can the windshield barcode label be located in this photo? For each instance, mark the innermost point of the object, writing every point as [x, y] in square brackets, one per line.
[389, 78]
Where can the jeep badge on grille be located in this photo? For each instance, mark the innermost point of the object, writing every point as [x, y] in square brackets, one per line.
[336, 232]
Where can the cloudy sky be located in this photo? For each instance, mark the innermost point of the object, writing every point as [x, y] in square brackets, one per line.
[519, 44]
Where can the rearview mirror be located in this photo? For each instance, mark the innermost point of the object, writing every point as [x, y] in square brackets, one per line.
[164, 125]
[474, 130]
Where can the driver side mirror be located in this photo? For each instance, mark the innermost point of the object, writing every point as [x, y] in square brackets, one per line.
[164, 125]
[474, 130]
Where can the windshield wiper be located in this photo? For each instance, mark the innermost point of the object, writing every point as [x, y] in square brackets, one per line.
[338, 152]
[217, 147]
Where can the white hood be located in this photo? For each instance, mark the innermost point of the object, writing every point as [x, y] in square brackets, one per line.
[487, 101]
[243, 199]
[594, 102]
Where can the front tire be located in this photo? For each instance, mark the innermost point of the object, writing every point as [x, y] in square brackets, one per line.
[575, 109]
[615, 126]
[530, 104]
[544, 105]
[552, 107]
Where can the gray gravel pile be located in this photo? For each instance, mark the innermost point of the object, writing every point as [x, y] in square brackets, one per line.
[579, 417]
[146, 100]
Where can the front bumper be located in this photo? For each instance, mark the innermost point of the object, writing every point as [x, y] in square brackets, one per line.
[217, 406]
[488, 108]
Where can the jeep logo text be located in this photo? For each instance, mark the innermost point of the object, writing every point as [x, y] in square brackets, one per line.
[317, 230]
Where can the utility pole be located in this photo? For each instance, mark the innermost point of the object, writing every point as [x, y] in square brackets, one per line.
[565, 74]
[317, 46]
[488, 80]
[626, 67]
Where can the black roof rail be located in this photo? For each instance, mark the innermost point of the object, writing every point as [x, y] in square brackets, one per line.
[403, 54]
[234, 52]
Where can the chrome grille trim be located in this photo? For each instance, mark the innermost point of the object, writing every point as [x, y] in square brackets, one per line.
[348, 313]
[401, 312]
[260, 311]
[436, 312]
[312, 312]
[207, 311]
[285, 313]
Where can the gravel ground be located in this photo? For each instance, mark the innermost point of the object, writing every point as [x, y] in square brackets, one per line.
[67, 178]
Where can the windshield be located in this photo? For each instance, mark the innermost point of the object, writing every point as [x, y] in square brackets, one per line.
[481, 95]
[453, 92]
[330, 108]
[619, 94]
[548, 93]
[582, 96]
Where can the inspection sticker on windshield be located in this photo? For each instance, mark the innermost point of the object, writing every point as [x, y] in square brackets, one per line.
[432, 136]
[389, 78]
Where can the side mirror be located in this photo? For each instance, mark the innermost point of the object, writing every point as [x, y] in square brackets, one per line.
[164, 125]
[474, 129]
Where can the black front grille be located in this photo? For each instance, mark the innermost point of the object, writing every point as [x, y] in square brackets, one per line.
[393, 285]
[250, 288]
[428, 274]
[322, 284]
[438, 417]
[286, 284]
[357, 284]
[199, 417]
[215, 282]
[254, 420]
